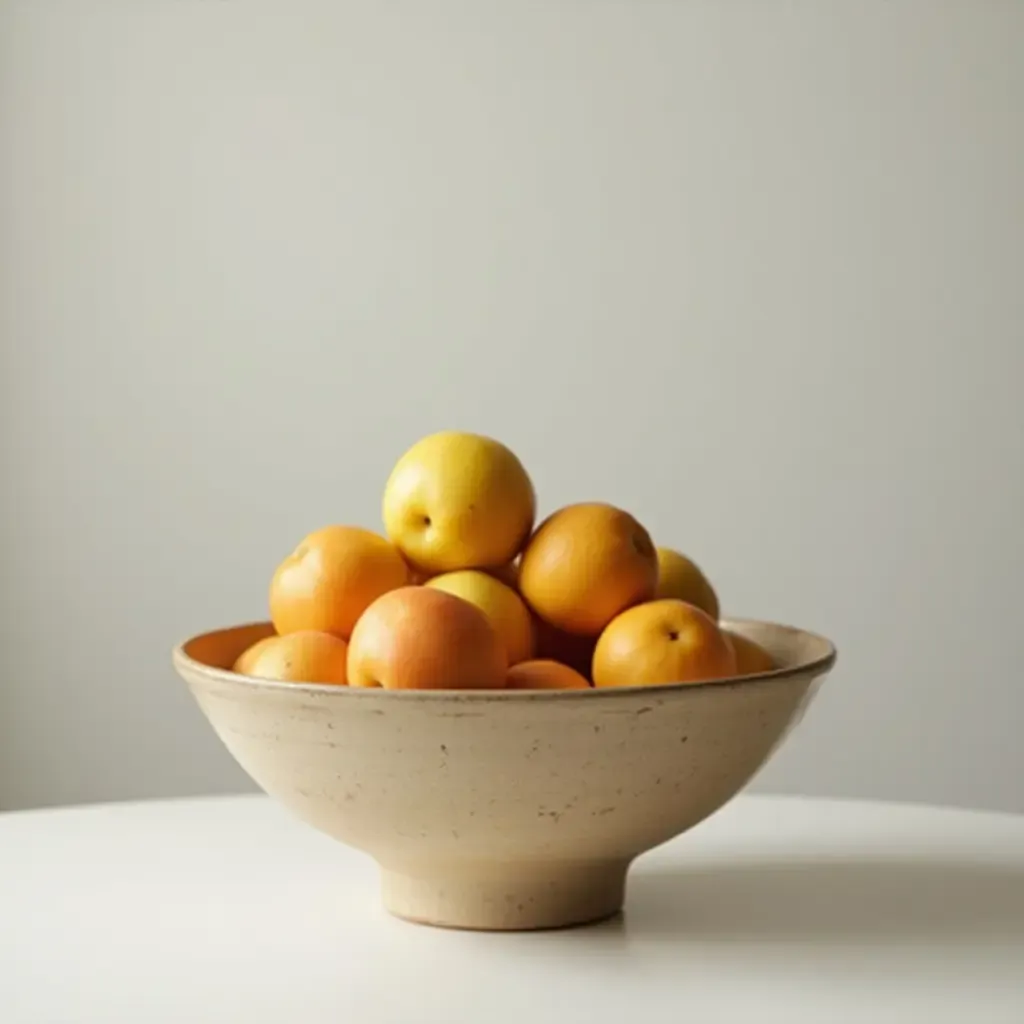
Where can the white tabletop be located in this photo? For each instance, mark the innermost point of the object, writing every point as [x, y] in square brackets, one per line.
[226, 910]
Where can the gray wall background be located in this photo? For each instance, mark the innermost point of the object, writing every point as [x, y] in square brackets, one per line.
[751, 270]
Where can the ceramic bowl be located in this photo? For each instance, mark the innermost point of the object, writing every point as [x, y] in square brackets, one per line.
[504, 810]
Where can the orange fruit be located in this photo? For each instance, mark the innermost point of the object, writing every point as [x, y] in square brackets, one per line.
[331, 578]
[556, 645]
[249, 656]
[681, 578]
[420, 638]
[665, 641]
[458, 501]
[302, 657]
[502, 605]
[585, 564]
[542, 674]
[751, 657]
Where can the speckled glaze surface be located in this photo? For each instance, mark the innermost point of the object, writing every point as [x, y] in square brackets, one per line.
[498, 809]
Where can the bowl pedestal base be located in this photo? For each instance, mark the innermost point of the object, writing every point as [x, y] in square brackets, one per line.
[506, 897]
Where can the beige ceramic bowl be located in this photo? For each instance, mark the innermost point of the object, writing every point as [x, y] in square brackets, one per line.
[504, 810]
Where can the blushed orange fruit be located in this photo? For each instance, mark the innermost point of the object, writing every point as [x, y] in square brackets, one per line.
[680, 577]
[542, 674]
[500, 603]
[303, 657]
[331, 578]
[662, 642]
[586, 563]
[751, 657]
[458, 501]
[420, 638]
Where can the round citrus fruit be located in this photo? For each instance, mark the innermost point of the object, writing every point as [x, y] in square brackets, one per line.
[585, 564]
[249, 656]
[681, 578]
[751, 657]
[331, 578]
[303, 657]
[542, 674]
[661, 642]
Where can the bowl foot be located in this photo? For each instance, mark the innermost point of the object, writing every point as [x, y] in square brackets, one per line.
[507, 897]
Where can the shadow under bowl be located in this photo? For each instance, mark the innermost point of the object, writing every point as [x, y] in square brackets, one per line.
[504, 810]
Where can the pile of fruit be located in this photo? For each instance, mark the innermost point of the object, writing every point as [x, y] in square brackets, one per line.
[465, 593]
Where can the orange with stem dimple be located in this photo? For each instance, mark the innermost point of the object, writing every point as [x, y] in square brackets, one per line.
[331, 578]
[660, 642]
[586, 563]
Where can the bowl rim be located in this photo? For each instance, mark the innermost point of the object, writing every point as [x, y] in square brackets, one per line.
[818, 666]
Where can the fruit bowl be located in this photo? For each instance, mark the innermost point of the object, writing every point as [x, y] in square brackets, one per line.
[504, 810]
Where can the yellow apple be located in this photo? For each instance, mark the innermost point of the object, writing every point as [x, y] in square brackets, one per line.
[458, 501]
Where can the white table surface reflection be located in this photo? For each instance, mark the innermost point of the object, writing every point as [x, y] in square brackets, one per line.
[227, 909]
